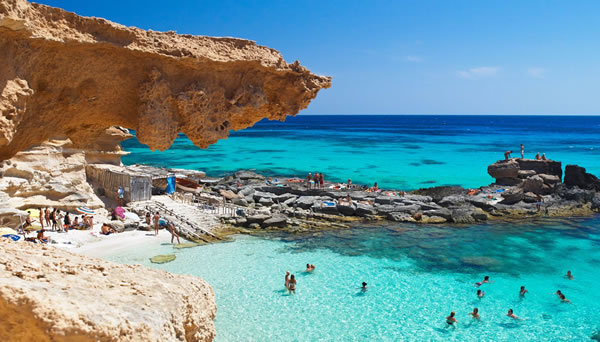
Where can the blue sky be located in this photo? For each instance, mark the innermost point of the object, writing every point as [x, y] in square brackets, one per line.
[407, 57]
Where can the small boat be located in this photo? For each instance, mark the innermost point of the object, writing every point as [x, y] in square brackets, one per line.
[187, 185]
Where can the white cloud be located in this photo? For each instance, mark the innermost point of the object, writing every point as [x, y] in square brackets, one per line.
[414, 59]
[536, 72]
[478, 72]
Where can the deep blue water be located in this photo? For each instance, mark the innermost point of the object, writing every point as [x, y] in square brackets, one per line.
[404, 151]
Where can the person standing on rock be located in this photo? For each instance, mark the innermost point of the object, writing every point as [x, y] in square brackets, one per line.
[507, 155]
[537, 156]
[41, 218]
[316, 179]
[308, 179]
[321, 180]
[539, 200]
[156, 223]
[522, 151]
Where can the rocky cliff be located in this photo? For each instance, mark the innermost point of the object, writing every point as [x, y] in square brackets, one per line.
[68, 76]
[47, 294]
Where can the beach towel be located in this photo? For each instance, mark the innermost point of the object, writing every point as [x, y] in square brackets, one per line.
[12, 237]
[119, 211]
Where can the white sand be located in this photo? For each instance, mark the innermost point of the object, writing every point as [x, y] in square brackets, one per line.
[94, 244]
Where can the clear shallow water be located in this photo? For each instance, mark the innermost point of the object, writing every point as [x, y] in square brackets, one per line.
[416, 276]
[402, 152]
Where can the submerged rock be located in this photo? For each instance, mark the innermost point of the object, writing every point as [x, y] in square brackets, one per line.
[162, 259]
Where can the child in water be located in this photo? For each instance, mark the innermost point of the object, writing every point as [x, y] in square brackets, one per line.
[475, 314]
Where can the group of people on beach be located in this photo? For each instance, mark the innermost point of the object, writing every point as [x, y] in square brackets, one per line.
[154, 221]
[317, 180]
[537, 156]
[54, 220]
[451, 319]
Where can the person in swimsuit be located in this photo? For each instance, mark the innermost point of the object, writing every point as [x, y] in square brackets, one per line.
[321, 180]
[309, 268]
[364, 287]
[475, 314]
[53, 215]
[563, 298]
[523, 291]
[47, 217]
[292, 284]
[558, 293]
[67, 222]
[485, 280]
[349, 183]
[511, 314]
[569, 275]
[450, 320]
[480, 294]
[41, 237]
[287, 280]
[148, 219]
[543, 156]
[156, 223]
[41, 217]
[537, 156]
[316, 178]
[522, 151]
[507, 155]
[173, 232]
[539, 200]
[308, 179]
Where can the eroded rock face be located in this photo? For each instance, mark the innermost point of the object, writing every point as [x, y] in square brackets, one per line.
[48, 294]
[71, 76]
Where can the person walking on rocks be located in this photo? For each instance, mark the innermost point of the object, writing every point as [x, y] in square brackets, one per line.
[522, 151]
[173, 232]
[156, 223]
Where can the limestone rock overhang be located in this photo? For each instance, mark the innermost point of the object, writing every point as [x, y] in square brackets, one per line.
[63, 75]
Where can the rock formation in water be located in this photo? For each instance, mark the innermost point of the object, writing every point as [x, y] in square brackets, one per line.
[68, 76]
[48, 294]
[537, 176]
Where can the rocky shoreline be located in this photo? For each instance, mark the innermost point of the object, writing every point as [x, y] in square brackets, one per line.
[514, 195]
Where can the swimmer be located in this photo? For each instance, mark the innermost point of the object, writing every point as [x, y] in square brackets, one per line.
[480, 294]
[558, 293]
[511, 314]
[292, 284]
[364, 287]
[485, 280]
[523, 291]
[309, 268]
[563, 298]
[569, 275]
[450, 320]
[287, 280]
[475, 314]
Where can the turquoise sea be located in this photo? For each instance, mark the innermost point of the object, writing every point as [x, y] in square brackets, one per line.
[416, 275]
[402, 152]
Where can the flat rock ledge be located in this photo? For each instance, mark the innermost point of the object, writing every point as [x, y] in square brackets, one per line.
[293, 207]
[48, 294]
